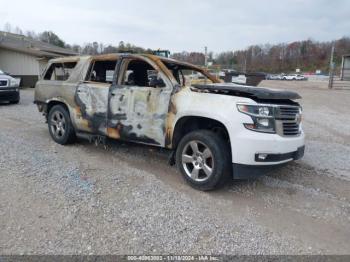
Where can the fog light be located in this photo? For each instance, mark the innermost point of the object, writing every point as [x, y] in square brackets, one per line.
[262, 156]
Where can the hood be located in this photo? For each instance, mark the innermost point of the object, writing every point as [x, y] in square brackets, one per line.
[7, 77]
[247, 91]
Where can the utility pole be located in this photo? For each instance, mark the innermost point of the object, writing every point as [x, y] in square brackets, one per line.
[206, 56]
[331, 69]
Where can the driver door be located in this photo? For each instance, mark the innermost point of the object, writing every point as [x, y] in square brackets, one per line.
[138, 110]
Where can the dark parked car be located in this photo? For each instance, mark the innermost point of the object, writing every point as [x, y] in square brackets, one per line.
[9, 88]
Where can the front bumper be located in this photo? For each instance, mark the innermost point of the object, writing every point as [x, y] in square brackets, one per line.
[246, 145]
[280, 157]
[9, 94]
[241, 171]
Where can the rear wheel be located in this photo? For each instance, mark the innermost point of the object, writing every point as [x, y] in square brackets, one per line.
[60, 125]
[203, 159]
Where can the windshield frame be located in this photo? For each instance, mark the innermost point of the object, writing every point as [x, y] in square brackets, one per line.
[187, 66]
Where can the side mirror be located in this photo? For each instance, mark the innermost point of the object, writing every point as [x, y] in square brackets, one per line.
[156, 82]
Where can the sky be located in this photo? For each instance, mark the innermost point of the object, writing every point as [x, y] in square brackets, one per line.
[177, 25]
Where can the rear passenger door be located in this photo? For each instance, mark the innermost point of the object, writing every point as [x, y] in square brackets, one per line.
[92, 96]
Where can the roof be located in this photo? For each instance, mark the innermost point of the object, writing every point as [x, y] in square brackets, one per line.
[28, 45]
[115, 56]
[112, 56]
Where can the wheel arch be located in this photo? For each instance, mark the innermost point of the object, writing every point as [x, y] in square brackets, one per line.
[53, 102]
[187, 124]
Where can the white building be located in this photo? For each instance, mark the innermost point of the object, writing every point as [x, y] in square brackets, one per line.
[345, 68]
[26, 58]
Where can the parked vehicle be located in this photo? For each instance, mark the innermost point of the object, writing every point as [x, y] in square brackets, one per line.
[251, 78]
[213, 129]
[274, 77]
[9, 88]
[294, 77]
[240, 79]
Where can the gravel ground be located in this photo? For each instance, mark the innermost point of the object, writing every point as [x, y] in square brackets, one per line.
[125, 199]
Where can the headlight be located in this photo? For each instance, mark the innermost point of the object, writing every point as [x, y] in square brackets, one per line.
[14, 82]
[262, 116]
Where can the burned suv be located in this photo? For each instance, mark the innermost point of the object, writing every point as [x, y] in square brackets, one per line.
[214, 130]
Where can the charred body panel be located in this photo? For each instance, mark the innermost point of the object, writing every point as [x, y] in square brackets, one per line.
[139, 113]
[92, 103]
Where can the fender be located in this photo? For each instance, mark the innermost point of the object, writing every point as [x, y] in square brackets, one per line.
[58, 100]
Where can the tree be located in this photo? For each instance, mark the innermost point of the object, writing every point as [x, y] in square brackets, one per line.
[32, 35]
[8, 27]
[18, 31]
[51, 38]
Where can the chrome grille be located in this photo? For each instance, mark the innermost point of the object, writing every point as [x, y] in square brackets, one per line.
[288, 112]
[3, 82]
[290, 129]
[288, 120]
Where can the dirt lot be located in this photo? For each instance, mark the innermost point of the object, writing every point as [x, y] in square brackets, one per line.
[125, 199]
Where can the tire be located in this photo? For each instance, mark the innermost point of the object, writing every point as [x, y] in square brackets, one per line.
[60, 125]
[15, 101]
[195, 168]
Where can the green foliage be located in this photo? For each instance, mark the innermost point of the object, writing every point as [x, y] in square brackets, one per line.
[51, 38]
[306, 55]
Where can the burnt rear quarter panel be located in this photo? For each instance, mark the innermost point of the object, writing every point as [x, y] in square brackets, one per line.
[47, 91]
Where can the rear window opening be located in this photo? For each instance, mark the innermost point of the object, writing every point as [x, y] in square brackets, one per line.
[101, 71]
[60, 71]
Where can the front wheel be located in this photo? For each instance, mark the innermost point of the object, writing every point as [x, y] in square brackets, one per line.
[203, 159]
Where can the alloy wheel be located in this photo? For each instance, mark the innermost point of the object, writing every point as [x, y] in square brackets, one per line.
[197, 161]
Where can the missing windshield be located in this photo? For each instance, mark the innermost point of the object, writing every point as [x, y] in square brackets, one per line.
[188, 76]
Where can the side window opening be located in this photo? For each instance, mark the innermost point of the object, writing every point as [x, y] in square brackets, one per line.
[68, 68]
[140, 73]
[101, 71]
[59, 71]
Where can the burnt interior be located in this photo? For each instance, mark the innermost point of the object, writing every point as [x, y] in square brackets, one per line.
[141, 73]
[101, 71]
[59, 71]
[138, 73]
